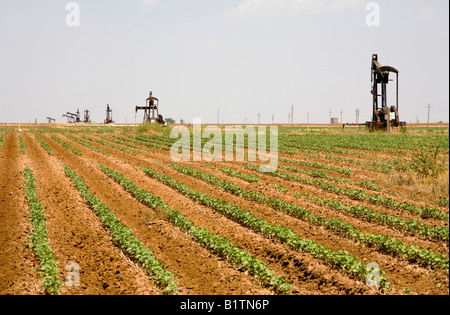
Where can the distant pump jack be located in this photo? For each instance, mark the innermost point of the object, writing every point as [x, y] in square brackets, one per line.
[151, 110]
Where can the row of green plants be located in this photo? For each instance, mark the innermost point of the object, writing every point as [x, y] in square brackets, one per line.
[166, 143]
[433, 232]
[341, 259]
[39, 240]
[443, 202]
[66, 145]
[336, 154]
[344, 171]
[158, 143]
[364, 184]
[234, 173]
[356, 194]
[75, 129]
[127, 143]
[367, 214]
[324, 175]
[160, 139]
[107, 144]
[309, 147]
[87, 145]
[132, 246]
[44, 145]
[143, 141]
[22, 145]
[428, 154]
[385, 168]
[397, 144]
[218, 245]
[384, 243]
[2, 138]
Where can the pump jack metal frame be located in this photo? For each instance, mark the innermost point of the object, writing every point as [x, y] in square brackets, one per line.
[151, 110]
[383, 116]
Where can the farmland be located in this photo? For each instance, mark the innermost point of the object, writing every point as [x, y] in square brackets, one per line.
[342, 207]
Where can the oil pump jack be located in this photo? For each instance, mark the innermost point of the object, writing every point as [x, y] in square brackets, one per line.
[151, 110]
[87, 116]
[108, 119]
[72, 118]
[384, 116]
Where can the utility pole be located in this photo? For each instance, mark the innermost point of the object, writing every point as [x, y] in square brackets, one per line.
[357, 115]
[292, 114]
[429, 107]
[341, 118]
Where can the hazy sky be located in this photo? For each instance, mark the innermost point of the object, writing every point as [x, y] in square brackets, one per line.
[241, 57]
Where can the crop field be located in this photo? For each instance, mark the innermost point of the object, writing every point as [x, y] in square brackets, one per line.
[107, 210]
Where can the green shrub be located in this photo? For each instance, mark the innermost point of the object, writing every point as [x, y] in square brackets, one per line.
[427, 160]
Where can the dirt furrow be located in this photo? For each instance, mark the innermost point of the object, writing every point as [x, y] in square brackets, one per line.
[270, 191]
[76, 235]
[308, 274]
[198, 271]
[17, 261]
[402, 273]
[322, 193]
[421, 279]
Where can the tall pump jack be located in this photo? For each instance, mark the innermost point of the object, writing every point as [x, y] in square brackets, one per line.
[384, 116]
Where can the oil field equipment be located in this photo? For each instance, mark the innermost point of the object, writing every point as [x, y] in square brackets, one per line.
[151, 110]
[108, 119]
[73, 118]
[87, 116]
[50, 120]
[384, 116]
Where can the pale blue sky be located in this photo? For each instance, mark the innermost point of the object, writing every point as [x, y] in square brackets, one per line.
[242, 57]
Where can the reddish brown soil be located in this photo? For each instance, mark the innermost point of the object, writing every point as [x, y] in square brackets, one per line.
[77, 235]
[17, 261]
[197, 270]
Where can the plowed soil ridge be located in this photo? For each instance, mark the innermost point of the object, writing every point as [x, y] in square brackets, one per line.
[17, 260]
[77, 236]
[196, 268]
